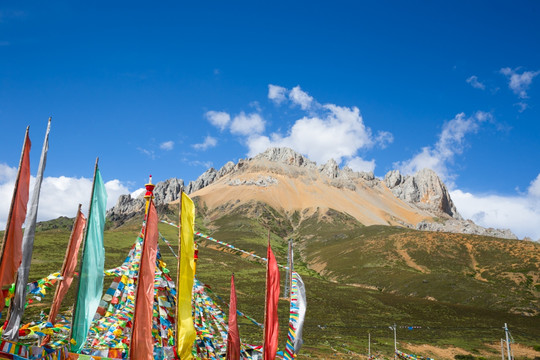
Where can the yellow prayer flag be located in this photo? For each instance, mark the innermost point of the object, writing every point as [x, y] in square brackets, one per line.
[185, 331]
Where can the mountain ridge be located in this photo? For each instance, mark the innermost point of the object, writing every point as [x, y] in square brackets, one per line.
[290, 181]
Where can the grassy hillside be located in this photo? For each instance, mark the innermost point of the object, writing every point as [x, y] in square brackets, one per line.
[464, 269]
[440, 289]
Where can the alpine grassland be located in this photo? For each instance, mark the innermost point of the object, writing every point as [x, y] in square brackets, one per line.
[448, 294]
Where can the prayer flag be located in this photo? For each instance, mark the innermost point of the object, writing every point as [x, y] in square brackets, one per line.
[302, 306]
[185, 330]
[70, 262]
[271, 325]
[11, 253]
[91, 278]
[142, 342]
[296, 317]
[233, 336]
[16, 312]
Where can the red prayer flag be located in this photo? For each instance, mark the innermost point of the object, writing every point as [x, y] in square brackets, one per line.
[233, 336]
[142, 342]
[11, 253]
[271, 326]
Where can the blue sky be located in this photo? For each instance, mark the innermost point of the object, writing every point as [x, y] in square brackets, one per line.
[169, 89]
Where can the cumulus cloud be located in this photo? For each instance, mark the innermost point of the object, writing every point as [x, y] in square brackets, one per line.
[60, 196]
[534, 188]
[519, 213]
[167, 145]
[247, 124]
[519, 83]
[301, 98]
[209, 142]
[277, 93]
[451, 142]
[336, 132]
[135, 194]
[326, 132]
[359, 164]
[219, 119]
[473, 81]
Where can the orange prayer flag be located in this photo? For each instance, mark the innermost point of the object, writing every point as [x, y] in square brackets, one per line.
[11, 253]
[142, 342]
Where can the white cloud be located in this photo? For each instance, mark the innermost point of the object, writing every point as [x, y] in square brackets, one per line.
[384, 138]
[473, 80]
[135, 194]
[335, 133]
[519, 213]
[299, 97]
[534, 188]
[167, 145]
[451, 143]
[7, 173]
[277, 93]
[209, 142]
[519, 83]
[247, 124]
[358, 164]
[219, 119]
[60, 196]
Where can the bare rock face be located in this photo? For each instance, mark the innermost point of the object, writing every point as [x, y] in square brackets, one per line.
[465, 227]
[127, 207]
[210, 176]
[286, 156]
[167, 191]
[207, 178]
[330, 169]
[262, 181]
[424, 190]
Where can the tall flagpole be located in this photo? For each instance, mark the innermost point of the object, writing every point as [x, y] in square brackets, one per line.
[507, 341]
[291, 267]
[395, 342]
[17, 306]
[75, 307]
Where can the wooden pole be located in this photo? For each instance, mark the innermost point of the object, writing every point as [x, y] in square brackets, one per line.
[502, 349]
[369, 345]
[287, 286]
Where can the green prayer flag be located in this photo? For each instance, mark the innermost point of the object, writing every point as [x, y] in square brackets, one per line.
[91, 277]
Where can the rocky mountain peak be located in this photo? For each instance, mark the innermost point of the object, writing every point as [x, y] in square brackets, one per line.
[286, 156]
[424, 189]
[126, 207]
[330, 169]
